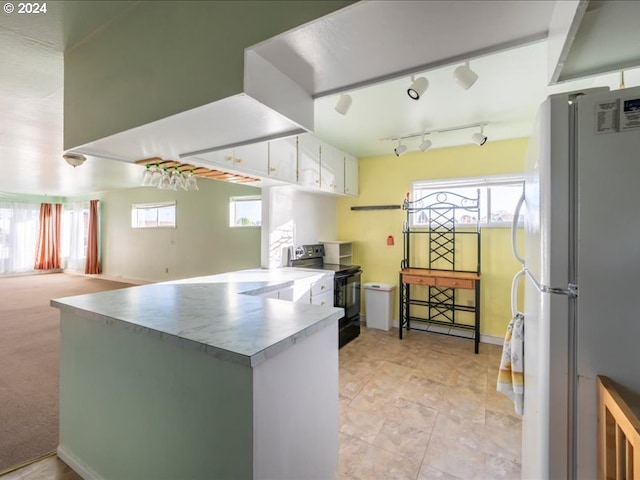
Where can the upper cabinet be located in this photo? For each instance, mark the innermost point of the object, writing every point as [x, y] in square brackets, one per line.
[350, 175]
[283, 159]
[309, 161]
[302, 159]
[331, 169]
[252, 158]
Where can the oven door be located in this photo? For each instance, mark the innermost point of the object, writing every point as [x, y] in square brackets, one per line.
[347, 292]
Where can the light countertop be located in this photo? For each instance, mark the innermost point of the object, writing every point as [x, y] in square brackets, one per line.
[220, 314]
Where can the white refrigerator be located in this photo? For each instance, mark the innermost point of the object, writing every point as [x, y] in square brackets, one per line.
[581, 261]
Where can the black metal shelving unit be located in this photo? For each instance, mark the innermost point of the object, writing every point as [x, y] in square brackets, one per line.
[431, 280]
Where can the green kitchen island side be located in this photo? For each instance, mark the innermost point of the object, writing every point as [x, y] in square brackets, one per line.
[199, 379]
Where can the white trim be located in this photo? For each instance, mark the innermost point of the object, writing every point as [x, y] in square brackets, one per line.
[478, 181]
[76, 465]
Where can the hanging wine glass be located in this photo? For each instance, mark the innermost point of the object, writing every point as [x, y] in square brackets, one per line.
[146, 176]
[156, 175]
[190, 183]
[173, 178]
[164, 180]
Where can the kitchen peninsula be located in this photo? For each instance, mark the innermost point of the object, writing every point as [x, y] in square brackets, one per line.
[200, 378]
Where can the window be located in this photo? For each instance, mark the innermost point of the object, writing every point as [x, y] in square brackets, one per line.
[498, 197]
[153, 215]
[245, 211]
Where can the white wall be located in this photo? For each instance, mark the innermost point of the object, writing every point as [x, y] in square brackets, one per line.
[292, 217]
[202, 242]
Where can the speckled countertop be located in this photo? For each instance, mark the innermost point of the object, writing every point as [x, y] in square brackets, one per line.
[222, 315]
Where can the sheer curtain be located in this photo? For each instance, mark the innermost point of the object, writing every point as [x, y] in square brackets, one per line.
[75, 220]
[48, 246]
[18, 236]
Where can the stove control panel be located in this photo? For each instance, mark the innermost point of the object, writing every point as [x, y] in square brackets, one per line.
[309, 251]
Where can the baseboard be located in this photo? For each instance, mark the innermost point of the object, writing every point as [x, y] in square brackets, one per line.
[112, 278]
[490, 339]
[31, 272]
[76, 465]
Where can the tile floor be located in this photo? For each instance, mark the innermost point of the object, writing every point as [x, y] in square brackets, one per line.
[420, 408]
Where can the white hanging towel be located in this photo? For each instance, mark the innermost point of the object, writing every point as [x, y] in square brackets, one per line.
[511, 375]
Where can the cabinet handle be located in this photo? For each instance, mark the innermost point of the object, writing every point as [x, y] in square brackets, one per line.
[322, 287]
[272, 169]
[238, 160]
[317, 181]
[229, 158]
[322, 303]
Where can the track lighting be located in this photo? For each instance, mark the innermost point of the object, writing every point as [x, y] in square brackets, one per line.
[464, 76]
[418, 87]
[425, 144]
[344, 103]
[400, 149]
[479, 138]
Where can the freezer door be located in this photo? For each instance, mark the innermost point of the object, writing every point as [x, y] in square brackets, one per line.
[608, 326]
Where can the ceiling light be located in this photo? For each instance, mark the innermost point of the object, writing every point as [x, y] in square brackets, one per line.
[479, 138]
[400, 149]
[425, 144]
[344, 103]
[418, 87]
[464, 76]
[74, 159]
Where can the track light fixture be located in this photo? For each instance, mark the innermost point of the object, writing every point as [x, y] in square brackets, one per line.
[425, 144]
[464, 76]
[418, 87]
[400, 149]
[344, 103]
[479, 138]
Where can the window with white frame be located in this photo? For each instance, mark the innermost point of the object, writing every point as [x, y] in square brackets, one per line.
[153, 215]
[245, 211]
[498, 197]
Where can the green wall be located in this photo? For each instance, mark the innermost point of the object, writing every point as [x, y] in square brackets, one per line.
[202, 242]
[163, 57]
[387, 180]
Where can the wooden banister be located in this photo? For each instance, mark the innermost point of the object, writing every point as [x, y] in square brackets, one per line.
[618, 435]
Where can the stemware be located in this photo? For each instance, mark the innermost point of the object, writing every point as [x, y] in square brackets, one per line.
[164, 180]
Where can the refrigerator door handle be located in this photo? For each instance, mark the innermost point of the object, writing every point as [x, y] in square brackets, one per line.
[570, 291]
[514, 291]
[514, 230]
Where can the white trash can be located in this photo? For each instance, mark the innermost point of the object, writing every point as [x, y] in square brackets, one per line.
[379, 302]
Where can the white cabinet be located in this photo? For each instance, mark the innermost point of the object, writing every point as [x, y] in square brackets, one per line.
[350, 175]
[283, 159]
[322, 291]
[338, 252]
[324, 299]
[251, 159]
[331, 169]
[309, 161]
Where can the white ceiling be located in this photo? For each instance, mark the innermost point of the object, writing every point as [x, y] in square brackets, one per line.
[503, 39]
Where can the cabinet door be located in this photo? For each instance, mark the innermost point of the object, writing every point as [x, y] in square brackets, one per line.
[308, 161]
[252, 158]
[350, 175]
[221, 158]
[283, 159]
[331, 169]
